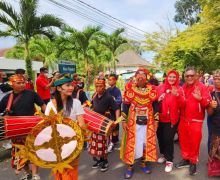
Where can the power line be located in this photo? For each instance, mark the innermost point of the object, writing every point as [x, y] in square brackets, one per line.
[106, 24]
[108, 15]
[107, 19]
[83, 15]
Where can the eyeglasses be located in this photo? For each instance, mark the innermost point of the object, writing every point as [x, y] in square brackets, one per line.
[191, 75]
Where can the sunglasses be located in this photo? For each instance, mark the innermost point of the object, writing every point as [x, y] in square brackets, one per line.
[187, 76]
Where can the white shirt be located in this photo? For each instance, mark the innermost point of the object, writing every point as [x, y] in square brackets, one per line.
[76, 110]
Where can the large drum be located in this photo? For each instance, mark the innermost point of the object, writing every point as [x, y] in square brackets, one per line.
[13, 126]
[97, 123]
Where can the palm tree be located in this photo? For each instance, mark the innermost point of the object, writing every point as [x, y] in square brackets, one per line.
[80, 42]
[114, 42]
[26, 24]
[45, 50]
[41, 49]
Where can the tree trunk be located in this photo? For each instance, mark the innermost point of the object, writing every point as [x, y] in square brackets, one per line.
[114, 63]
[87, 73]
[28, 62]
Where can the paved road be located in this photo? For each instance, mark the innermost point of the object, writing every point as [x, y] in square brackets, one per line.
[117, 168]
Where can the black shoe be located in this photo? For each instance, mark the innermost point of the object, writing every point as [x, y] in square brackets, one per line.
[183, 163]
[192, 169]
[26, 176]
[104, 166]
[97, 164]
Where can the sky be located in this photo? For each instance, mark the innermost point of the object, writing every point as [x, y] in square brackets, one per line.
[142, 14]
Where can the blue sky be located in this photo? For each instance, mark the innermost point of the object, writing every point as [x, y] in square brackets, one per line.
[143, 14]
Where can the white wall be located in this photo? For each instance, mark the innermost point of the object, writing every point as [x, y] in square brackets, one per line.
[12, 64]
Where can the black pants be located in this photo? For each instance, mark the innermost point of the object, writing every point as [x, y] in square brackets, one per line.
[165, 135]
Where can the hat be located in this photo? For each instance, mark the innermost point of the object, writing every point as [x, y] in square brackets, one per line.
[16, 77]
[62, 81]
[143, 71]
[206, 75]
[100, 80]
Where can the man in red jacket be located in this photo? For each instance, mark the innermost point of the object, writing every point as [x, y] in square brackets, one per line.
[43, 85]
[197, 98]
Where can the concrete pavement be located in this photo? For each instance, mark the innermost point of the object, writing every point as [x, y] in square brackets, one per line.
[116, 169]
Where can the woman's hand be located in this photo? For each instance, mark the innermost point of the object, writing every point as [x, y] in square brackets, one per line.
[174, 91]
[81, 122]
[125, 126]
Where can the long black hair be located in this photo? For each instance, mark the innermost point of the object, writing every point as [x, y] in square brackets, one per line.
[69, 103]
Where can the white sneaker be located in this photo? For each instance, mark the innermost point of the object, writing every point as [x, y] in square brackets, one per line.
[110, 147]
[36, 177]
[169, 166]
[7, 145]
[161, 160]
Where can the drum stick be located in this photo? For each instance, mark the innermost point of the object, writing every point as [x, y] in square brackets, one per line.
[118, 120]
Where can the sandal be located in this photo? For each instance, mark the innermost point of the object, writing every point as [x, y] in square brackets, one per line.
[146, 170]
[128, 173]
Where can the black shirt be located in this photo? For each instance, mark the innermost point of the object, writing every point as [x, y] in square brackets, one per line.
[105, 103]
[5, 87]
[24, 105]
[82, 96]
[215, 117]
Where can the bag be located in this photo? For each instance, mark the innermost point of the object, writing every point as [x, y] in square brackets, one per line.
[214, 167]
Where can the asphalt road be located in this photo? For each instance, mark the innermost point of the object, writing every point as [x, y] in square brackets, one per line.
[116, 168]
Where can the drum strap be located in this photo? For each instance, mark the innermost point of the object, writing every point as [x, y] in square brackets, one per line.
[78, 92]
[93, 96]
[11, 102]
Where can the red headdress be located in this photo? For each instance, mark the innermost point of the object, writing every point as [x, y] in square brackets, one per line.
[143, 71]
[15, 78]
[100, 81]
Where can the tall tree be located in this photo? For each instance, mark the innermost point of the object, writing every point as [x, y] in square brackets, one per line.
[80, 42]
[113, 42]
[187, 12]
[41, 49]
[26, 24]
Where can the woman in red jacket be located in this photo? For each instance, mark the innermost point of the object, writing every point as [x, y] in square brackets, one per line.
[170, 100]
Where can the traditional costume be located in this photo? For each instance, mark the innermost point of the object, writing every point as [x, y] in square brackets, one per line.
[139, 140]
[19, 104]
[214, 150]
[102, 104]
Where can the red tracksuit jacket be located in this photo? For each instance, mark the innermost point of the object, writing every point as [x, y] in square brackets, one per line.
[194, 110]
[170, 105]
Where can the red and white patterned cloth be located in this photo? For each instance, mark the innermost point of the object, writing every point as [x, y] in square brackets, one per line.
[98, 145]
[17, 162]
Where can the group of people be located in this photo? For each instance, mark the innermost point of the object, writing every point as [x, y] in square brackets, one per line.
[149, 113]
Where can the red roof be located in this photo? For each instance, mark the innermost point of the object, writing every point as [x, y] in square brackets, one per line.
[3, 51]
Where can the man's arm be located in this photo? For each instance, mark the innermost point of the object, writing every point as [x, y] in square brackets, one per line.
[50, 84]
[39, 101]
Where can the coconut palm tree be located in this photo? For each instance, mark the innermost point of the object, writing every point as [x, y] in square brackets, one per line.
[25, 25]
[113, 42]
[45, 50]
[81, 43]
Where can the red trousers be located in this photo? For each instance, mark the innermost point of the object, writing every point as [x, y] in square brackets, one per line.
[190, 136]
